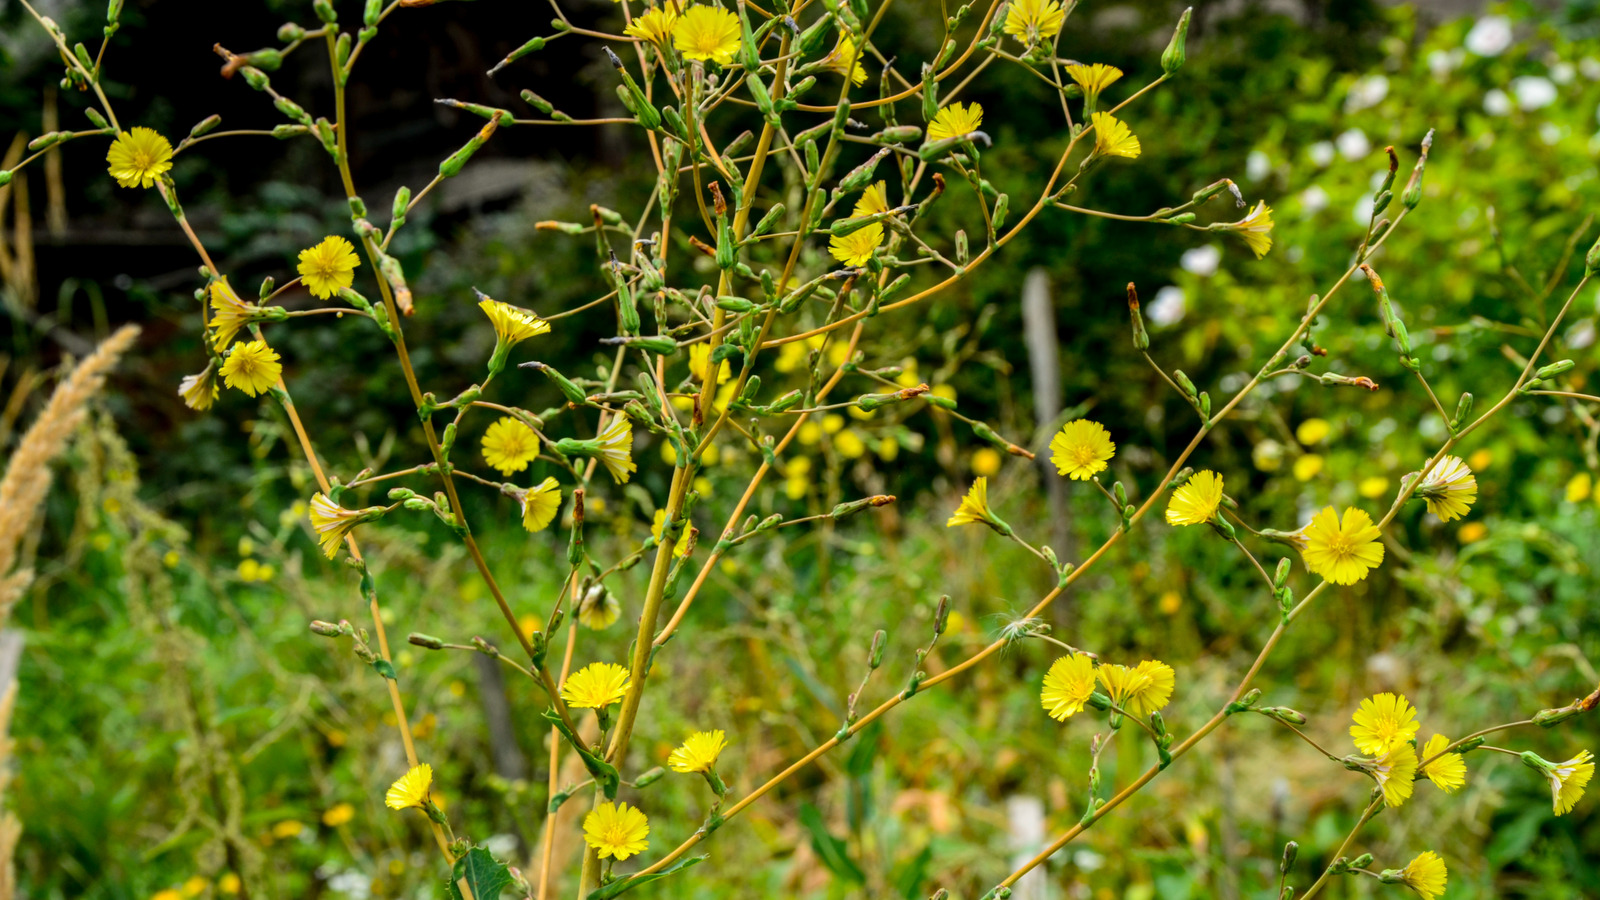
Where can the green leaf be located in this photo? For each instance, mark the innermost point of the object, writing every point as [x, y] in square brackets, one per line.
[385, 668]
[628, 884]
[485, 876]
[833, 851]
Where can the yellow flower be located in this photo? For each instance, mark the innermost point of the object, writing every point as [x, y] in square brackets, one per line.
[229, 313]
[654, 26]
[699, 752]
[1382, 722]
[1307, 466]
[1030, 21]
[1113, 137]
[1256, 228]
[699, 356]
[1426, 875]
[1578, 488]
[1081, 449]
[539, 505]
[195, 886]
[328, 267]
[955, 120]
[596, 686]
[875, 199]
[1472, 532]
[846, 60]
[598, 609]
[986, 461]
[1312, 431]
[331, 522]
[855, 248]
[200, 391]
[1342, 552]
[1567, 779]
[616, 449]
[338, 815]
[509, 445]
[974, 506]
[1450, 489]
[512, 324]
[1140, 690]
[138, 157]
[1448, 772]
[251, 367]
[617, 829]
[167, 894]
[411, 789]
[1093, 79]
[707, 33]
[1395, 773]
[679, 549]
[229, 883]
[1067, 686]
[1372, 487]
[1197, 501]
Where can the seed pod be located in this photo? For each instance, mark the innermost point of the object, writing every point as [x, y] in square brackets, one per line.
[1141, 338]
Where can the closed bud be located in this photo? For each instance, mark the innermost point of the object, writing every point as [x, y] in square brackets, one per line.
[205, 125]
[326, 629]
[898, 134]
[1290, 851]
[95, 118]
[425, 640]
[1176, 54]
[875, 655]
[1184, 384]
[1555, 368]
[1281, 576]
[1362, 861]
[1463, 409]
[941, 616]
[1284, 714]
[1141, 338]
[324, 11]
[289, 32]
[1412, 195]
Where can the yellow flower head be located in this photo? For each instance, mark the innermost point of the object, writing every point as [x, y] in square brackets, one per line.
[509, 445]
[411, 789]
[1081, 449]
[1030, 21]
[512, 324]
[699, 752]
[1140, 690]
[974, 506]
[200, 391]
[138, 157]
[707, 33]
[1197, 501]
[856, 248]
[1113, 137]
[540, 504]
[658, 524]
[251, 367]
[1067, 686]
[1382, 722]
[955, 120]
[654, 26]
[1426, 875]
[1567, 779]
[332, 522]
[338, 814]
[1395, 772]
[1450, 489]
[328, 267]
[616, 449]
[875, 199]
[1449, 771]
[617, 829]
[596, 686]
[1093, 79]
[1342, 552]
[229, 313]
[846, 60]
[699, 357]
[598, 609]
[1256, 228]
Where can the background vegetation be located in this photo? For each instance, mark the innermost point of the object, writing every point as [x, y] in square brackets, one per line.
[176, 722]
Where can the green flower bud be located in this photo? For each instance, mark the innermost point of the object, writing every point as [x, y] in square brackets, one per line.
[1555, 368]
[1176, 54]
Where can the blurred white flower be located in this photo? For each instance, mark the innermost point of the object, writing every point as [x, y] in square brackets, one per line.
[1362, 212]
[1551, 133]
[1168, 306]
[1533, 91]
[1366, 93]
[1202, 261]
[1580, 335]
[1353, 144]
[1314, 199]
[1562, 72]
[1257, 165]
[1590, 67]
[1490, 36]
[1496, 103]
[1321, 153]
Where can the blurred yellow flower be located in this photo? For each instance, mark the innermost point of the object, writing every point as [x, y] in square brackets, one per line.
[1472, 532]
[616, 449]
[707, 33]
[328, 267]
[1113, 137]
[598, 609]
[1372, 487]
[509, 445]
[1140, 690]
[1067, 686]
[849, 445]
[654, 26]
[1426, 874]
[1171, 602]
[1342, 552]
[1256, 229]
[1197, 500]
[1030, 21]
[410, 789]
[1480, 460]
[195, 886]
[229, 883]
[888, 449]
[1449, 771]
[699, 752]
[168, 893]
[832, 423]
[1450, 489]
[288, 828]
[1382, 722]
[856, 248]
[1579, 487]
[1307, 466]
[540, 505]
[1312, 431]
[955, 120]
[596, 686]
[338, 814]
[985, 461]
[699, 355]
[138, 157]
[845, 60]
[618, 829]
[1081, 449]
[252, 367]
[679, 549]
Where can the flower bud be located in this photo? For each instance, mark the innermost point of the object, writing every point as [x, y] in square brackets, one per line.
[1184, 384]
[1141, 338]
[1412, 195]
[1281, 576]
[941, 616]
[1290, 851]
[875, 655]
[649, 777]
[1463, 409]
[1173, 58]
[425, 640]
[324, 10]
[1555, 368]
[326, 629]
